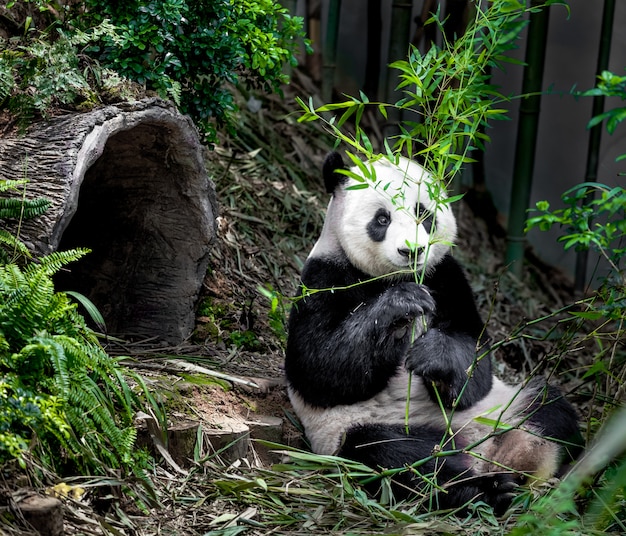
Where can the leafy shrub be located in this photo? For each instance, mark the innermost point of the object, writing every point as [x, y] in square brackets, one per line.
[591, 222]
[185, 51]
[188, 51]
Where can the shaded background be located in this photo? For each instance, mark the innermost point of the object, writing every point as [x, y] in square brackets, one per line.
[570, 63]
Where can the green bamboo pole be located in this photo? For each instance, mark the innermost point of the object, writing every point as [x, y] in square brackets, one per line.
[399, 39]
[374, 41]
[330, 50]
[526, 136]
[595, 134]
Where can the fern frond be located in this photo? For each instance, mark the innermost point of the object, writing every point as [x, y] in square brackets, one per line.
[53, 351]
[11, 247]
[10, 184]
[22, 209]
[53, 262]
[46, 346]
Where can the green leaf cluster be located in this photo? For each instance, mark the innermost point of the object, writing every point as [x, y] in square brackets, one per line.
[590, 220]
[448, 98]
[186, 51]
[609, 85]
[594, 216]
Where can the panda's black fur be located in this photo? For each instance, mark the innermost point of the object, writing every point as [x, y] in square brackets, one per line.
[363, 325]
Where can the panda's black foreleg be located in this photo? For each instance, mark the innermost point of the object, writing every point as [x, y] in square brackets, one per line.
[454, 371]
[342, 362]
[389, 446]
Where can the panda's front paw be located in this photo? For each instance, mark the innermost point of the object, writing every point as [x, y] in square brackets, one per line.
[448, 364]
[400, 305]
[431, 358]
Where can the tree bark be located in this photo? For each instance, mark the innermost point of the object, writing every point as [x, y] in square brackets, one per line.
[127, 181]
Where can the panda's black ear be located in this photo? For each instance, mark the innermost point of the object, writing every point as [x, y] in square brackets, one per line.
[333, 162]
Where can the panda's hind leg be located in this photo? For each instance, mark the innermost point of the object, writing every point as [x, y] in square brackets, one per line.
[557, 419]
[382, 446]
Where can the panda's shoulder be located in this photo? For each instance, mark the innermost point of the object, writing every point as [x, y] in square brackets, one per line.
[325, 272]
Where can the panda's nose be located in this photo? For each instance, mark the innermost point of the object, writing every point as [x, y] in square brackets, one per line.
[404, 252]
[408, 253]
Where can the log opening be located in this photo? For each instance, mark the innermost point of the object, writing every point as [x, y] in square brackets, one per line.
[134, 191]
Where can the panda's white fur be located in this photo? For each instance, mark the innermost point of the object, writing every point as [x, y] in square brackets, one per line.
[375, 243]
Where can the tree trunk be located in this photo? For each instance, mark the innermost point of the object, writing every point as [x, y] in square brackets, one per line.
[127, 181]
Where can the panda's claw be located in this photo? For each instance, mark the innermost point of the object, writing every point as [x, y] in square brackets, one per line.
[496, 490]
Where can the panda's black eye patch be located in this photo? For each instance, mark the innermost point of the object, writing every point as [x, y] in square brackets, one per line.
[377, 227]
[425, 217]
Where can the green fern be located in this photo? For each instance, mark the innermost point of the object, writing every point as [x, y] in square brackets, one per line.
[7, 81]
[83, 402]
[13, 208]
[58, 387]
[11, 248]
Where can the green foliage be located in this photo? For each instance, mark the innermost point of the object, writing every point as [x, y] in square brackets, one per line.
[609, 85]
[39, 74]
[594, 216]
[590, 221]
[11, 208]
[186, 51]
[58, 387]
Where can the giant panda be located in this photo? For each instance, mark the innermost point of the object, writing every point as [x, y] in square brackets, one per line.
[384, 308]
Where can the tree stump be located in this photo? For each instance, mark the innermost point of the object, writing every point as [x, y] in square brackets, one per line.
[127, 181]
[44, 514]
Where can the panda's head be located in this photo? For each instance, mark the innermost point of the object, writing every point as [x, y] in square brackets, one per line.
[397, 223]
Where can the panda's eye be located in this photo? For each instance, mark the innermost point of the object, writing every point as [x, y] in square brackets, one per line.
[383, 219]
[378, 225]
[424, 217]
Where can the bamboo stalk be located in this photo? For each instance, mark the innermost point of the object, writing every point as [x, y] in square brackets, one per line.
[595, 134]
[527, 136]
[398, 48]
[330, 50]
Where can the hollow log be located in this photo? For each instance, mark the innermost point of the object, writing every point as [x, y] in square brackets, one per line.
[127, 181]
